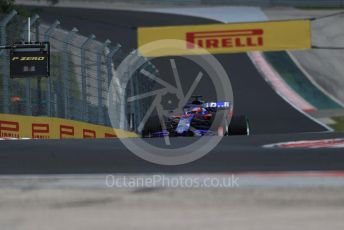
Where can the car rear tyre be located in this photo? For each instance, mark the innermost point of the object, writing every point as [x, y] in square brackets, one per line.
[239, 126]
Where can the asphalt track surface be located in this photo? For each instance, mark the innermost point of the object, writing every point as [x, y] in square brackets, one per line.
[269, 114]
[233, 154]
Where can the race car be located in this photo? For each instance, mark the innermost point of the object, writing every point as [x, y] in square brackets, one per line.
[198, 119]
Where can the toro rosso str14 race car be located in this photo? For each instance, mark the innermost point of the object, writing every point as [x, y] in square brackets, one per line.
[197, 119]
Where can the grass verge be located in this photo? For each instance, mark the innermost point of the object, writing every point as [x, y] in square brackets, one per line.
[339, 126]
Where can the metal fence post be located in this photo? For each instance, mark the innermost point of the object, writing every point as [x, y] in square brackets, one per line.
[99, 81]
[139, 108]
[109, 63]
[133, 108]
[124, 78]
[25, 35]
[110, 67]
[5, 66]
[25, 29]
[84, 76]
[47, 35]
[39, 79]
[133, 78]
[67, 40]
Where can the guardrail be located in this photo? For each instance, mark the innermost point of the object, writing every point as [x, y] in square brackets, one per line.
[81, 73]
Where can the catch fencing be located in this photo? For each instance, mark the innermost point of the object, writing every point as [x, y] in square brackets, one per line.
[82, 69]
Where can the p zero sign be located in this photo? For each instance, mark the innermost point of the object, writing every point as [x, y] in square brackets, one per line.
[29, 64]
[229, 38]
[30, 60]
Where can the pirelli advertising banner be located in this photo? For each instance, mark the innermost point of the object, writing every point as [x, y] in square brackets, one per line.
[225, 38]
[18, 126]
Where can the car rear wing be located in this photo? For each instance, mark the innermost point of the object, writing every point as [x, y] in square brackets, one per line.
[218, 105]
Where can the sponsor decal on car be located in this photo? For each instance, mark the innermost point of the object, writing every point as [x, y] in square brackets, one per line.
[224, 105]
